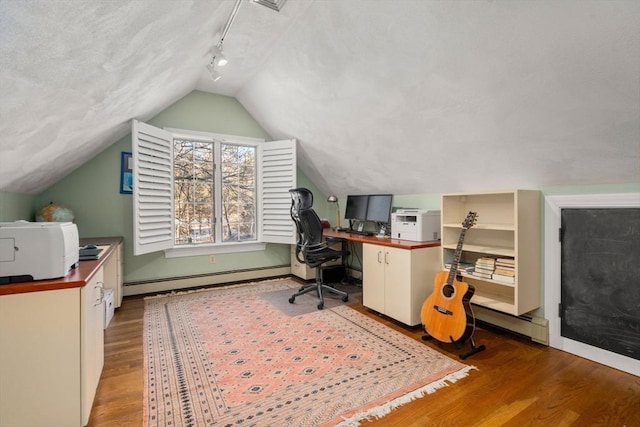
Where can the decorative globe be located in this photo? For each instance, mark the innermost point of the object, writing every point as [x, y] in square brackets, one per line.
[54, 213]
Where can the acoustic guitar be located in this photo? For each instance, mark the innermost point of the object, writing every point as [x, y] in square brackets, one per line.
[446, 314]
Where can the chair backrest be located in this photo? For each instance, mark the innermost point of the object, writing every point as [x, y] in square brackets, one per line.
[308, 224]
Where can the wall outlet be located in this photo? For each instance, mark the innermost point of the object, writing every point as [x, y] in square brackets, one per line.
[212, 259]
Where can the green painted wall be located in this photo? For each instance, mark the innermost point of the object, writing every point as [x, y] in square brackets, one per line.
[14, 207]
[92, 192]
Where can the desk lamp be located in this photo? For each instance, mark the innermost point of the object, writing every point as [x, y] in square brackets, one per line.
[334, 199]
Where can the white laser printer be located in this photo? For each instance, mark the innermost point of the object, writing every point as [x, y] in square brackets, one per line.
[415, 224]
[37, 250]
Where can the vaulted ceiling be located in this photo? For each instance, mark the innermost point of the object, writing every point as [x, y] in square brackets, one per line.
[398, 96]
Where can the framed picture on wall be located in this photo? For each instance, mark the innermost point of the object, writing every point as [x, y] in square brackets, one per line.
[126, 173]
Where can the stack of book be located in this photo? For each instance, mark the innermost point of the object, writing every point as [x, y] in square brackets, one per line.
[463, 267]
[484, 267]
[505, 270]
[90, 252]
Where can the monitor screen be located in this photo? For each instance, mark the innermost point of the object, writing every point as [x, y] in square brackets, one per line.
[379, 208]
[356, 208]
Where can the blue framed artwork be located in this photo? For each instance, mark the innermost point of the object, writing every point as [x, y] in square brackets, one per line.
[126, 173]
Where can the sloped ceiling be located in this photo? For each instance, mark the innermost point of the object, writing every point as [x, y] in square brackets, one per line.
[398, 96]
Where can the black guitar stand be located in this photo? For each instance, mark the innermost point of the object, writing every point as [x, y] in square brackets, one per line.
[474, 349]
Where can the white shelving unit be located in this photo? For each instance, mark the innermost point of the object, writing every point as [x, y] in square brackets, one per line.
[508, 225]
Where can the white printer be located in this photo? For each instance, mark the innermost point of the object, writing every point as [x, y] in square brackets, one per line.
[415, 224]
[37, 250]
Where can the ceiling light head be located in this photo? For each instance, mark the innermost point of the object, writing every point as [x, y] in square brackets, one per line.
[221, 59]
[215, 75]
[218, 55]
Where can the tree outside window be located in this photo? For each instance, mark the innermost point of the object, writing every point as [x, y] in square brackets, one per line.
[238, 193]
[195, 199]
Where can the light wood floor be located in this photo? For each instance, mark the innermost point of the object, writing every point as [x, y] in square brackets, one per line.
[517, 383]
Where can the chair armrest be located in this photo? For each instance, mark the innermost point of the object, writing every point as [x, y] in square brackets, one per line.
[316, 248]
[299, 255]
[333, 240]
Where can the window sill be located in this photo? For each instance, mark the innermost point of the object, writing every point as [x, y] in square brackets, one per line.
[226, 248]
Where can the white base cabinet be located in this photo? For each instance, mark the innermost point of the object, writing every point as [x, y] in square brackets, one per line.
[51, 355]
[395, 282]
[91, 341]
[113, 274]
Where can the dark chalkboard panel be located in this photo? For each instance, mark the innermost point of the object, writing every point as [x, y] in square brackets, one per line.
[600, 288]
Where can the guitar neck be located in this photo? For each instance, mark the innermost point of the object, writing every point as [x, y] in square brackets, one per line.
[456, 257]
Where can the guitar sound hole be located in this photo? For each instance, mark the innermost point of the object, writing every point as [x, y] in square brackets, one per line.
[448, 290]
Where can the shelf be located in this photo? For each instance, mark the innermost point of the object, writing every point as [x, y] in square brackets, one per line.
[494, 302]
[496, 282]
[504, 227]
[508, 225]
[490, 250]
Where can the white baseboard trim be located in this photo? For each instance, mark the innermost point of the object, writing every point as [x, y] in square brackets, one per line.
[178, 283]
[536, 328]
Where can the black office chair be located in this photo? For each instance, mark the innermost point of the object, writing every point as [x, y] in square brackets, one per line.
[311, 248]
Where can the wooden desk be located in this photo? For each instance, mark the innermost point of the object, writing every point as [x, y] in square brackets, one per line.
[382, 241]
[76, 278]
[397, 275]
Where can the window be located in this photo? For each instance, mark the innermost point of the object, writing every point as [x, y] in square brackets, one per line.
[198, 193]
[195, 201]
[238, 170]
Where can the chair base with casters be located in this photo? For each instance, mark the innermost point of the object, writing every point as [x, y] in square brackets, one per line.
[318, 286]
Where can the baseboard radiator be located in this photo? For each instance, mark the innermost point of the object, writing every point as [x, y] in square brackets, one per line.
[536, 328]
[200, 280]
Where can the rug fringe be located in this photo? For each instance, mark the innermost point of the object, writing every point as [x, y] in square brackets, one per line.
[382, 410]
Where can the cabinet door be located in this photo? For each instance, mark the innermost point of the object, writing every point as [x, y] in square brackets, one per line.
[92, 341]
[40, 358]
[397, 278]
[119, 276]
[373, 277]
[113, 274]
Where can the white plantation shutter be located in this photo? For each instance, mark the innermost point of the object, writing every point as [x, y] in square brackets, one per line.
[277, 175]
[152, 188]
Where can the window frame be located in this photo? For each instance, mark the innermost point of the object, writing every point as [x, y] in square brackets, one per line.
[219, 246]
[271, 228]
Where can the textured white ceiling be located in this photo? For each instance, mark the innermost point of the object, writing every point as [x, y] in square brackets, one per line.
[399, 96]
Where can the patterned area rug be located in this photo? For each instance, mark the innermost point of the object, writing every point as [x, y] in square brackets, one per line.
[228, 357]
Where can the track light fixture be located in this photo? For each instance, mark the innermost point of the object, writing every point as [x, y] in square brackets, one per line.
[211, 67]
[218, 58]
[221, 60]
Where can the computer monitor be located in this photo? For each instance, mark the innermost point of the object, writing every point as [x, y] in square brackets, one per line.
[379, 208]
[356, 208]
